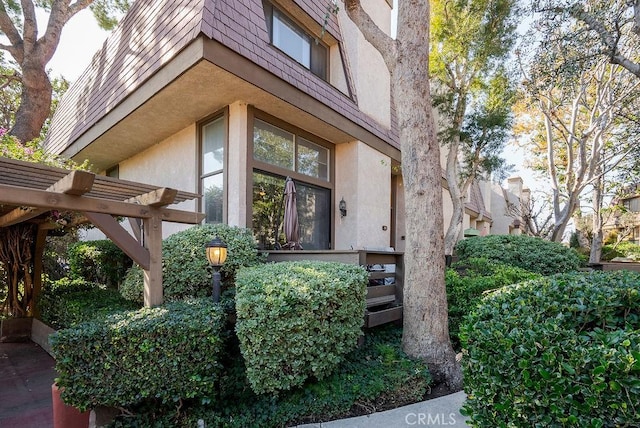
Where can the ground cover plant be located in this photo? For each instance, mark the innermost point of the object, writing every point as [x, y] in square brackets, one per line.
[556, 351]
[526, 252]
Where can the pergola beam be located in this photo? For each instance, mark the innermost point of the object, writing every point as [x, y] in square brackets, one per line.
[127, 243]
[59, 201]
[75, 183]
[156, 198]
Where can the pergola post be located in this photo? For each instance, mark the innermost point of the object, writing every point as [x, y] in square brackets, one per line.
[152, 228]
[41, 239]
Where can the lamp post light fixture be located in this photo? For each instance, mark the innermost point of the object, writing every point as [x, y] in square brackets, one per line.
[216, 255]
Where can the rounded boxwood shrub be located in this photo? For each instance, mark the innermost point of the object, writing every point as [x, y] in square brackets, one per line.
[469, 280]
[98, 261]
[167, 353]
[297, 319]
[185, 270]
[557, 351]
[527, 252]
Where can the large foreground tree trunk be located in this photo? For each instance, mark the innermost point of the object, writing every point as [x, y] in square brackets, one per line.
[35, 104]
[426, 328]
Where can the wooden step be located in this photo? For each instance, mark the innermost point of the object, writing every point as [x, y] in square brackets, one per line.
[384, 316]
[379, 301]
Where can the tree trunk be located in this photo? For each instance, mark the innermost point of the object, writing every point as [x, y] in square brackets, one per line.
[563, 216]
[426, 329]
[596, 241]
[457, 199]
[35, 104]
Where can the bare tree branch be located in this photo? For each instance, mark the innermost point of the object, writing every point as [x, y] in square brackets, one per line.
[372, 33]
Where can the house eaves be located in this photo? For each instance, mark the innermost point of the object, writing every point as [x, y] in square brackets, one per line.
[171, 63]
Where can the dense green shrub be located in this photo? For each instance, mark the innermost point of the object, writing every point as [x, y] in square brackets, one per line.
[166, 354]
[558, 351]
[98, 261]
[623, 249]
[67, 302]
[530, 253]
[377, 375]
[297, 320]
[186, 272]
[467, 282]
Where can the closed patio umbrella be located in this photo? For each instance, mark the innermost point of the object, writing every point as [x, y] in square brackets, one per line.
[291, 224]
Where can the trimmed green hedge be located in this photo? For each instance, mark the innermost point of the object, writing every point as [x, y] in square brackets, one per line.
[557, 351]
[530, 253]
[186, 272]
[166, 353]
[624, 249]
[468, 281]
[68, 302]
[98, 261]
[297, 320]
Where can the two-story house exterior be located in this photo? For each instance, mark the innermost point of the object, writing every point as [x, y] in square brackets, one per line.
[228, 98]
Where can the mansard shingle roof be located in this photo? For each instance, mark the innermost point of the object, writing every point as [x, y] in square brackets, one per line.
[155, 31]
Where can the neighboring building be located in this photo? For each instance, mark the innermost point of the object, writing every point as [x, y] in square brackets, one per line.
[626, 222]
[227, 98]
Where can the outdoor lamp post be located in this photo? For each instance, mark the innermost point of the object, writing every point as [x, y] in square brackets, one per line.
[216, 255]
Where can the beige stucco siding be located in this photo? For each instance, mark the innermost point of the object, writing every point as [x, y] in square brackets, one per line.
[370, 75]
[363, 179]
[170, 163]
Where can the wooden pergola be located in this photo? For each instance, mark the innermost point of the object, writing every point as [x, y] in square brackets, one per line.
[30, 191]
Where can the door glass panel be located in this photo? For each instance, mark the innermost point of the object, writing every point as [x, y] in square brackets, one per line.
[314, 208]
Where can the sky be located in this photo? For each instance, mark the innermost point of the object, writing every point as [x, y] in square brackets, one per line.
[82, 38]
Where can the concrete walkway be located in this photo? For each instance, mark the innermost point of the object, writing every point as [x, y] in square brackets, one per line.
[439, 412]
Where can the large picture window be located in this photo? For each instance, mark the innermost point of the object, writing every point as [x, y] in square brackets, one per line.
[291, 39]
[212, 178]
[279, 153]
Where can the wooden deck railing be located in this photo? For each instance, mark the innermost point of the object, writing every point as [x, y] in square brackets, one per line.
[386, 275]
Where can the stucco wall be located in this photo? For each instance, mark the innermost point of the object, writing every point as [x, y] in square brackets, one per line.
[236, 171]
[170, 163]
[363, 179]
[501, 221]
[365, 62]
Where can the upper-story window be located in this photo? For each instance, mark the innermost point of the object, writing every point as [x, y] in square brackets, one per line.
[291, 39]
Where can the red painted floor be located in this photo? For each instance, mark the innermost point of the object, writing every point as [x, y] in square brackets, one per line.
[26, 375]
